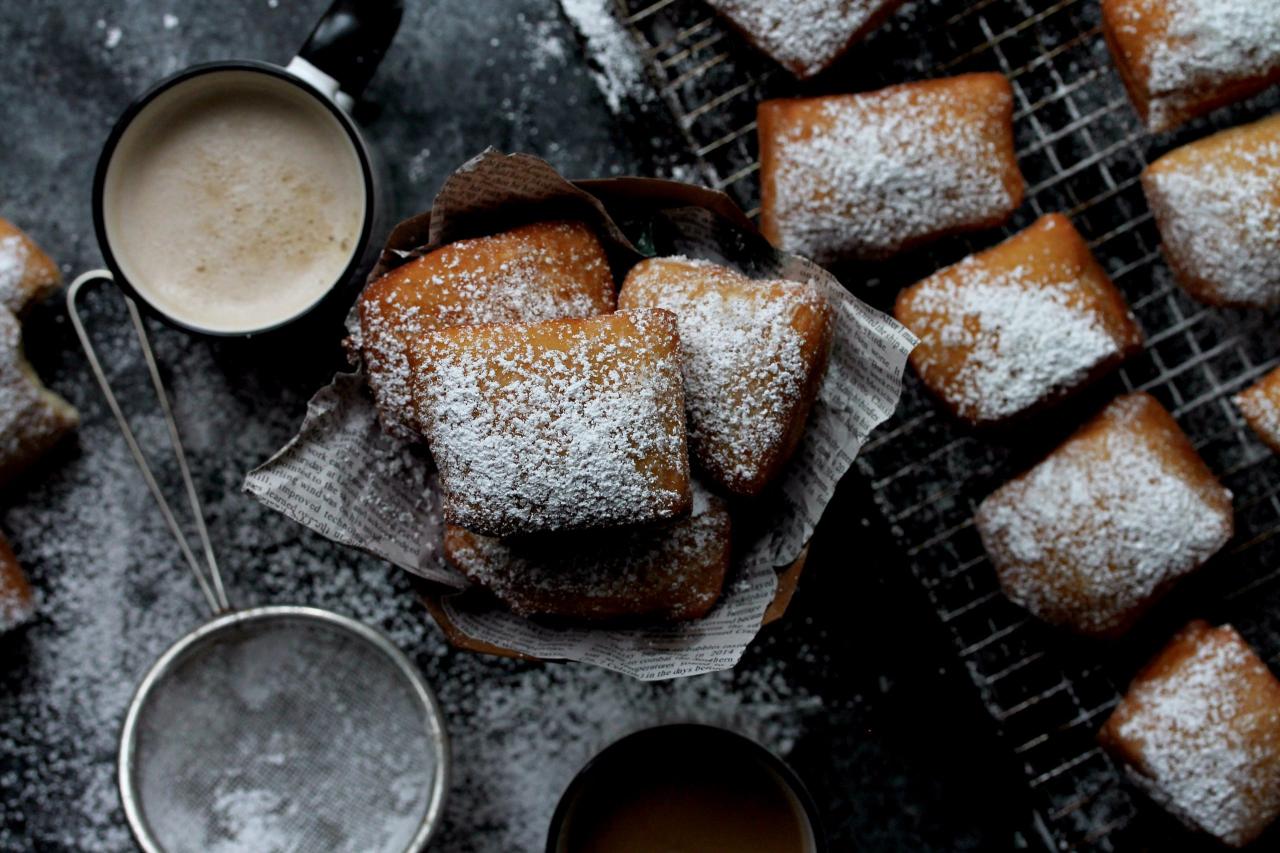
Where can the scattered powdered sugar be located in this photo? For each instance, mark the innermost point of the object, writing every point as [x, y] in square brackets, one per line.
[879, 171]
[555, 426]
[673, 571]
[1260, 405]
[744, 362]
[1219, 214]
[13, 269]
[1201, 746]
[1092, 533]
[1207, 45]
[1019, 340]
[804, 35]
[616, 63]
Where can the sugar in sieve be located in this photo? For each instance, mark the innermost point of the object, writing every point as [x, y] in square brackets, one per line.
[277, 728]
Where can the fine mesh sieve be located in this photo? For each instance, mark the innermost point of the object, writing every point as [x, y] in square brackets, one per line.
[278, 728]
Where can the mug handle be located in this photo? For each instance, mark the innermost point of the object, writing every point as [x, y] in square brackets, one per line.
[345, 47]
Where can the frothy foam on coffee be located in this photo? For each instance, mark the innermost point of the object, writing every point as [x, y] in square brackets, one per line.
[234, 201]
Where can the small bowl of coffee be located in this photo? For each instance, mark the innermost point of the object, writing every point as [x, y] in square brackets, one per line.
[686, 788]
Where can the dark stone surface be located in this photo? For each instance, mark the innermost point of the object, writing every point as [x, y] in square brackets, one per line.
[854, 685]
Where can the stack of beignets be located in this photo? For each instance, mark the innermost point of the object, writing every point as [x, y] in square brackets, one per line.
[563, 445]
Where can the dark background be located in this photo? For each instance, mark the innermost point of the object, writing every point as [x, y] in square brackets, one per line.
[855, 686]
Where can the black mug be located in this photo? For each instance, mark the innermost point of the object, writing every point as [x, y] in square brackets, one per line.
[326, 77]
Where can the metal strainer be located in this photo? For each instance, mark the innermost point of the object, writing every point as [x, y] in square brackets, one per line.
[276, 728]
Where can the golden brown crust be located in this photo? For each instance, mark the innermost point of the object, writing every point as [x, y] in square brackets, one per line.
[1216, 202]
[17, 601]
[670, 572]
[1017, 327]
[1260, 405]
[1199, 730]
[558, 425]
[542, 271]
[1171, 62]
[868, 175]
[753, 355]
[1097, 532]
[27, 274]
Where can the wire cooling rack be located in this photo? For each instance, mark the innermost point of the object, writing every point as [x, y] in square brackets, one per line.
[1082, 150]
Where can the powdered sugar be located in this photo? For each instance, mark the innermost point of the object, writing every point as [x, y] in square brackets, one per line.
[1201, 742]
[540, 272]
[673, 571]
[13, 269]
[864, 175]
[1205, 46]
[804, 35]
[1217, 203]
[32, 419]
[1260, 405]
[745, 363]
[1090, 535]
[1019, 340]
[617, 67]
[560, 425]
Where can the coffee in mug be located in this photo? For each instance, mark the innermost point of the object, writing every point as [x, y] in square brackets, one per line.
[234, 201]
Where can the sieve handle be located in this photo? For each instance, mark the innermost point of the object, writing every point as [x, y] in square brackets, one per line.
[210, 585]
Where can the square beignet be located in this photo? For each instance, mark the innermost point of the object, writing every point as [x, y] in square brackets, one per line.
[543, 271]
[865, 176]
[558, 425]
[1094, 534]
[670, 572]
[27, 274]
[1260, 405]
[32, 418]
[1216, 202]
[807, 36]
[752, 354]
[1016, 327]
[1183, 58]
[1199, 731]
[17, 601]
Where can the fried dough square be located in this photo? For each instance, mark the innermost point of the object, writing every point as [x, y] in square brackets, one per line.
[543, 271]
[27, 274]
[1260, 405]
[752, 353]
[558, 425]
[1216, 202]
[866, 176]
[1015, 328]
[32, 418]
[1183, 58]
[808, 36]
[1094, 534]
[1199, 731]
[668, 572]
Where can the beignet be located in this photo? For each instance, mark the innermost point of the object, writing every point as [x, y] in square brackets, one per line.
[32, 418]
[1199, 731]
[804, 36]
[558, 425]
[17, 602]
[543, 271]
[670, 572]
[865, 176]
[1183, 58]
[27, 274]
[1016, 327]
[752, 354]
[1216, 202]
[1260, 405]
[1091, 536]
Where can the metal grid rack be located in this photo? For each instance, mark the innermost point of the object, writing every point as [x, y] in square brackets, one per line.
[1081, 149]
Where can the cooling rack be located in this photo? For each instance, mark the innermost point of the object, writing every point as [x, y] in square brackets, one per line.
[1081, 149]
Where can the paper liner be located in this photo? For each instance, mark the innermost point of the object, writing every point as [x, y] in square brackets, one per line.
[343, 477]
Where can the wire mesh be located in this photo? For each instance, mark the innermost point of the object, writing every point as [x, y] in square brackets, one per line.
[1082, 150]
